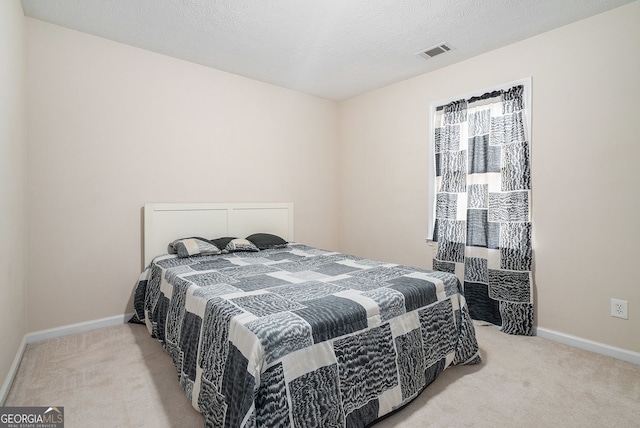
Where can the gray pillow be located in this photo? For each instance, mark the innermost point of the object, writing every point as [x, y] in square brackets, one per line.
[188, 247]
[240, 244]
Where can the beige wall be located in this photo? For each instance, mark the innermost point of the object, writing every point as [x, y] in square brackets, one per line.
[585, 151]
[12, 143]
[112, 127]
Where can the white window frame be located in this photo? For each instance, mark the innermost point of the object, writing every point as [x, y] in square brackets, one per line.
[431, 191]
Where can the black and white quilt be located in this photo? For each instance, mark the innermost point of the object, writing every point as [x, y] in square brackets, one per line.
[303, 337]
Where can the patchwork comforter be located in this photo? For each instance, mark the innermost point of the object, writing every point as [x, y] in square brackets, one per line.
[298, 336]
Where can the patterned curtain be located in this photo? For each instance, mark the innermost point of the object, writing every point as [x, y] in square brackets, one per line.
[483, 199]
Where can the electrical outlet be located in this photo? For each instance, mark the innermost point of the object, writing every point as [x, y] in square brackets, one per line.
[620, 309]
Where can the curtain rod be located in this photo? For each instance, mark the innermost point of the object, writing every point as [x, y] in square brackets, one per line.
[484, 96]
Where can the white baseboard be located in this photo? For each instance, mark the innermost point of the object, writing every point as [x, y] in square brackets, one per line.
[80, 327]
[589, 345]
[6, 386]
[53, 333]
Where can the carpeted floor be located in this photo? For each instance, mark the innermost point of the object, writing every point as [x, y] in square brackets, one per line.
[120, 377]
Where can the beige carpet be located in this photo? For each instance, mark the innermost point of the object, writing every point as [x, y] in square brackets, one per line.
[120, 377]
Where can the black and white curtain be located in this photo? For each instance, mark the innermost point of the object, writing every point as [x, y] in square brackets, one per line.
[483, 206]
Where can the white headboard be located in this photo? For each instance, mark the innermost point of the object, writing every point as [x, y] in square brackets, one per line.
[164, 223]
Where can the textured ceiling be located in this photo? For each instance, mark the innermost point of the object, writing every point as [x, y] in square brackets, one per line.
[330, 48]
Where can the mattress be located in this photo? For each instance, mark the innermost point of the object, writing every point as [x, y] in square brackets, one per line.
[300, 336]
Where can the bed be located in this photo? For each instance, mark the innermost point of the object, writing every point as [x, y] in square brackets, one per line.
[284, 334]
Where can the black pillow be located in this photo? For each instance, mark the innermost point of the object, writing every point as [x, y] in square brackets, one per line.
[266, 240]
[222, 242]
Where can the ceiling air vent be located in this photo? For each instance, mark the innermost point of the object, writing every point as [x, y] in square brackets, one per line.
[436, 50]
